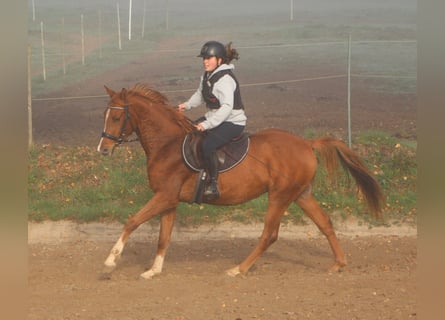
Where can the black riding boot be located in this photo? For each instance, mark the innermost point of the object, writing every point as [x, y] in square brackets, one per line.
[211, 192]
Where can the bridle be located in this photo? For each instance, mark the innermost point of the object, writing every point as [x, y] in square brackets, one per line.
[121, 138]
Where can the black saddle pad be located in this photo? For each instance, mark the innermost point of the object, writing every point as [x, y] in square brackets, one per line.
[229, 155]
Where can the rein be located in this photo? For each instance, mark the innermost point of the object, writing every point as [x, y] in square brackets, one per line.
[120, 139]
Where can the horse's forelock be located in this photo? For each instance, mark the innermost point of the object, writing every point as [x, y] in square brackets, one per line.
[123, 93]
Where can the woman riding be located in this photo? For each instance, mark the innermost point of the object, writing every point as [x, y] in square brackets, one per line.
[225, 118]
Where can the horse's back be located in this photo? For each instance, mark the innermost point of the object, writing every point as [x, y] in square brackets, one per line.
[284, 153]
[281, 140]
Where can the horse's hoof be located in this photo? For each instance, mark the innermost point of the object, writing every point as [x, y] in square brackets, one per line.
[106, 273]
[337, 267]
[111, 261]
[147, 275]
[233, 272]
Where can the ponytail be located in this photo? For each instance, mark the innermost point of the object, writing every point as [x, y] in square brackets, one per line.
[231, 53]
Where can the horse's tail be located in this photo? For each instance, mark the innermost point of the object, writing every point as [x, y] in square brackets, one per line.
[331, 151]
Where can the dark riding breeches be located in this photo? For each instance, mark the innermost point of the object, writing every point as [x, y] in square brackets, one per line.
[219, 136]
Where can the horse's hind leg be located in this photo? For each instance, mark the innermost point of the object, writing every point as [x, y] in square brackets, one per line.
[274, 213]
[310, 206]
[167, 221]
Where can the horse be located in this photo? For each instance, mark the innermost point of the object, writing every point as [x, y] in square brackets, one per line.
[278, 163]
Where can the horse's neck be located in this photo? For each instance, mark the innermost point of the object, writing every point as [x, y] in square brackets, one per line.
[157, 130]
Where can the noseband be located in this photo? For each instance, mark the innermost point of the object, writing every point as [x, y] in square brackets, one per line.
[120, 139]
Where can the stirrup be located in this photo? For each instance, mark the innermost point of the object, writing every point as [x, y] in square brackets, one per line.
[211, 191]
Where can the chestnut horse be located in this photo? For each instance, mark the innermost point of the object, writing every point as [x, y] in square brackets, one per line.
[278, 162]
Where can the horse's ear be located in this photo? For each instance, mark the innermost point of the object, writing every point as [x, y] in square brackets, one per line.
[123, 93]
[110, 92]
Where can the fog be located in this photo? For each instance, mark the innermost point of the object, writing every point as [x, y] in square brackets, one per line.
[276, 46]
[222, 13]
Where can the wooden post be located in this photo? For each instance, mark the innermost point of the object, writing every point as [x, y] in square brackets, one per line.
[63, 46]
[82, 39]
[349, 92]
[30, 137]
[118, 26]
[33, 11]
[143, 18]
[291, 10]
[129, 20]
[166, 16]
[43, 51]
[100, 34]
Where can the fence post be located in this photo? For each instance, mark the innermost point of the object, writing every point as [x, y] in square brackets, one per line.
[143, 19]
[167, 15]
[82, 35]
[62, 36]
[129, 19]
[100, 33]
[349, 91]
[118, 26]
[42, 41]
[33, 11]
[30, 138]
[291, 10]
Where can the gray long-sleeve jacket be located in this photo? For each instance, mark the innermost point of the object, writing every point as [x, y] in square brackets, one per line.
[223, 90]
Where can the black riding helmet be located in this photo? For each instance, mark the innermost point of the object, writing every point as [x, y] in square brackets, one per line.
[213, 49]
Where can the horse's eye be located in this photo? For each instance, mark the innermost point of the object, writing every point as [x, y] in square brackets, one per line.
[115, 119]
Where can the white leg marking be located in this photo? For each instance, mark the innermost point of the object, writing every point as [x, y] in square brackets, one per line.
[115, 253]
[155, 269]
[233, 272]
[105, 128]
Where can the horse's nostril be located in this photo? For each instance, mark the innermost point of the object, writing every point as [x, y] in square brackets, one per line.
[105, 152]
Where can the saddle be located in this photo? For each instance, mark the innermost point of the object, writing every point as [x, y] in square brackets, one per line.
[229, 155]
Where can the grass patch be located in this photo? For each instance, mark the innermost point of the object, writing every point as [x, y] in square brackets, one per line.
[76, 183]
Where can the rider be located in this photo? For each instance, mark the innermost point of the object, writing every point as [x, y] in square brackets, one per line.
[225, 118]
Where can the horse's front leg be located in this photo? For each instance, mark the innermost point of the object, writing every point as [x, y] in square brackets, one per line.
[158, 204]
[167, 221]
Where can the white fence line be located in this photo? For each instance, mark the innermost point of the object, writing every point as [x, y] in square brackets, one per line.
[265, 46]
[188, 90]
[256, 84]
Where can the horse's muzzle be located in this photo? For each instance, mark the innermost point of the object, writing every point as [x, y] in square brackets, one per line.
[106, 151]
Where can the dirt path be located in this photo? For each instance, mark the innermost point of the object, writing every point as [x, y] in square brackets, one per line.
[289, 282]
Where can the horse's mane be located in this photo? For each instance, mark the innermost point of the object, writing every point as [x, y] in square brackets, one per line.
[147, 92]
[157, 98]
